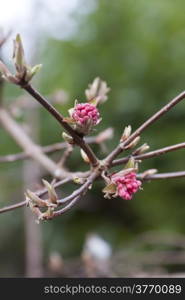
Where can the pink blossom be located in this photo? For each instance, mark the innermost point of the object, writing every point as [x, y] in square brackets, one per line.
[83, 112]
[127, 184]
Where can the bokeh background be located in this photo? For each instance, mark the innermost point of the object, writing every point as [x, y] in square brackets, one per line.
[138, 48]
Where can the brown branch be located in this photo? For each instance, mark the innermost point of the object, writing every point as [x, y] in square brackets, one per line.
[66, 208]
[14, 157]
[162, 175]
[146, 124]
[101, 137]
[75, 195]
[149, 154]
[12, 207]
[50, 108]
[34, 151]
[82, 189]
[67, 153]
[23, 140]
[38, 193]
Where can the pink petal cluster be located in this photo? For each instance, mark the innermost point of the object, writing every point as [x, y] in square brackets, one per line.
[83, 112]
[127, 185]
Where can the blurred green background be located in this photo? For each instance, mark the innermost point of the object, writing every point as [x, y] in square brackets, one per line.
[137, 47]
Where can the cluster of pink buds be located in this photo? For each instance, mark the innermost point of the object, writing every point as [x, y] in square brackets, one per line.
[127, 184]
[85, 116]
[85, 112]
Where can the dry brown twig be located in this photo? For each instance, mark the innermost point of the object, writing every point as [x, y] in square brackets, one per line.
[98, 139]
[76, 127]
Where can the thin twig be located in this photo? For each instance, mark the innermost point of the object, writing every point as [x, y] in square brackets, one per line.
[33, 150]
[138, 131]
[162, 175]
[12, 207]
[76, 195]
[81, 190]
[66, 208]
[149, 154]
[38, 193]
[101, 137]
[65, 156]
[50, 108]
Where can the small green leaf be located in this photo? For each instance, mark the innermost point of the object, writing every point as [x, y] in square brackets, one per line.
[93, 101]
[130, 164]
[35, 200]
[126, 133]
[18, 54]
[110, 188]
[51, 191]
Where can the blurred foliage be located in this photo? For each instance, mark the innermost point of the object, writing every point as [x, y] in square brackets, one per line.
[138, 48]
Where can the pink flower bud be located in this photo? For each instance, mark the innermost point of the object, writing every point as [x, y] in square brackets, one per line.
[84, 113]
[127, 185]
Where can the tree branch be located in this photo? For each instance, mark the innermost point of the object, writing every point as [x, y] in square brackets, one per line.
[101, 137]
[162, 175]
[66, 208]
[12, 207]
[146, 124]
[75, 195]
[149, 154]
[82, 189]
[50, 108]
[23, 140]
[38, 193]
